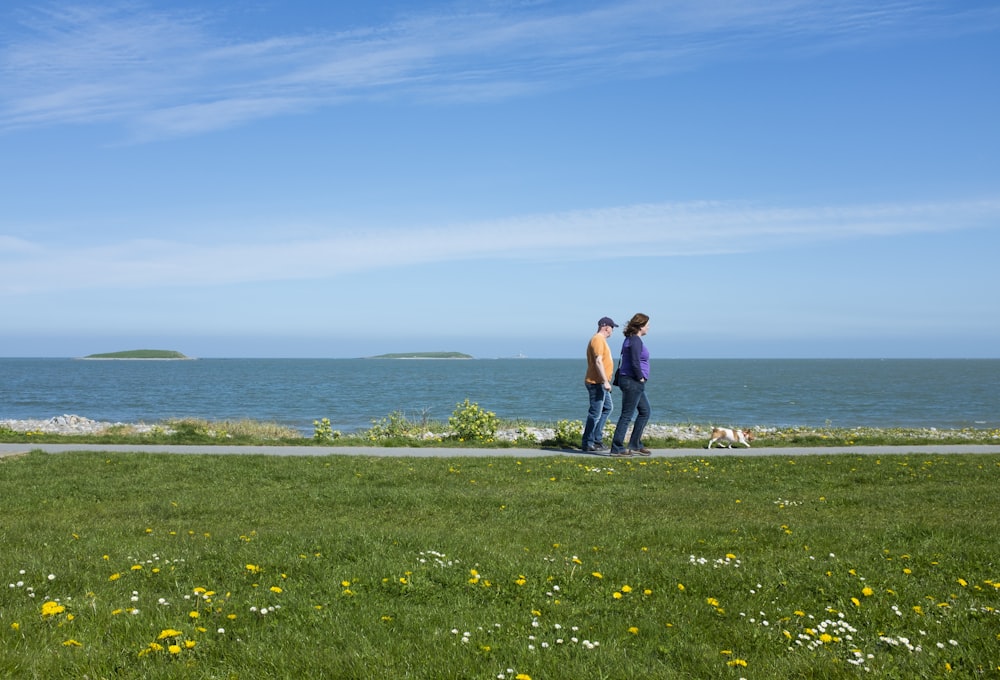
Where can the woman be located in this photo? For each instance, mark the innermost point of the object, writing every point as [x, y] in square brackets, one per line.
[633, 372]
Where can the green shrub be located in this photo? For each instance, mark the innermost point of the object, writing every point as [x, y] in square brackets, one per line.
[470, 422]
[569, 433]
[395, 426]
[323, 432]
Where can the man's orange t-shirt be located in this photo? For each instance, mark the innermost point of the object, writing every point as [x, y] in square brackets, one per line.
[598, 347]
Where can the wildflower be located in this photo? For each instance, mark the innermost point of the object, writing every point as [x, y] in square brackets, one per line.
[168, 633]
[72, 643]
[626, 589]
[193, 614]
[52, 608]
[275, 589]
[867, 592]
[597, 574]
[633, 630]
[680, 586]
[174, 649]
[253, 569]
[617, 595]
[736, 662]
[189, 644]
[15, 626]
[962, 582]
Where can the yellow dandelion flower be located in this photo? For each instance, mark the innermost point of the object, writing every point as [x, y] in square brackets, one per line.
[275, 589]
[155, 647]
[867, 592]
[72, 643]
[633, 630]
[168, 633]
[962, 582]
[680, 586]
[617, 595]
[826, 638]
[856, 601]
[736, 662]
[15, 626]
[345, 584]
[597, 574]
[712, 601]
[193, 615]
[114, 577]
[136, 567]
[174, 649]
[522, 676]
[189, 644]
[52, 608]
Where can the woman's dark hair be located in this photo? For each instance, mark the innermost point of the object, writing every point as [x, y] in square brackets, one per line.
[634, 324]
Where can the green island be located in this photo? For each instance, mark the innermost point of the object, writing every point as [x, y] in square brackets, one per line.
[139, 354]
[423, 355]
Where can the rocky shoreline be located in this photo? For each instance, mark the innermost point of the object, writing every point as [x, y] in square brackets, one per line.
[79, 425]
[70, 424]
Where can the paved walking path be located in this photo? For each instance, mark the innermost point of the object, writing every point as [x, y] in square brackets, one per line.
[390, 452]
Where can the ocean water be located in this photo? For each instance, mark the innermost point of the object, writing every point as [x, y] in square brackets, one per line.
[942, 393]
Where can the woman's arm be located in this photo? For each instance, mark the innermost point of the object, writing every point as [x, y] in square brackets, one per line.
[634, 356]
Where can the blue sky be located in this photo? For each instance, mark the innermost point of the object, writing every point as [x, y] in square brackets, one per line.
[772, 178]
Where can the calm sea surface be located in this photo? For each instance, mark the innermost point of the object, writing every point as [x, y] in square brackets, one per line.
[950, 393]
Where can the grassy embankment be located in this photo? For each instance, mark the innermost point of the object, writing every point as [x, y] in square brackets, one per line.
[398, 430]
[168, 566]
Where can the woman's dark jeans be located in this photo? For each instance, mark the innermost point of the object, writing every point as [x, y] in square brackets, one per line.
[633, 399]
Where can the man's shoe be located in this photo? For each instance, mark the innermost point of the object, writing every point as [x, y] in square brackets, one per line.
[621, 454]
[598, 446]
[642, 452]
[593, 449]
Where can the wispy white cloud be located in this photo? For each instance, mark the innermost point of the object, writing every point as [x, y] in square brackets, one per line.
[656, 230]
[168, 72]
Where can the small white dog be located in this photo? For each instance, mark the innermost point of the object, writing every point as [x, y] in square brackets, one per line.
[727, 436]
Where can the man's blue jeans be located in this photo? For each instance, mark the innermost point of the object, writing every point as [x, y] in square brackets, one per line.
[600, 408]
[633, 399]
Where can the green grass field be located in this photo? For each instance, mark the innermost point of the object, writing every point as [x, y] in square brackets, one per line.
[173, 566]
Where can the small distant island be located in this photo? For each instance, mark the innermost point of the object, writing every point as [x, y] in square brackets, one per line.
[423, 355]
[139, 354]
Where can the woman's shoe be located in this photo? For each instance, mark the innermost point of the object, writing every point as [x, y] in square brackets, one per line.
[624, 453]
[642, 452]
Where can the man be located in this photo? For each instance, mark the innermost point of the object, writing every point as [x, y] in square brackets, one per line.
[600, 365]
